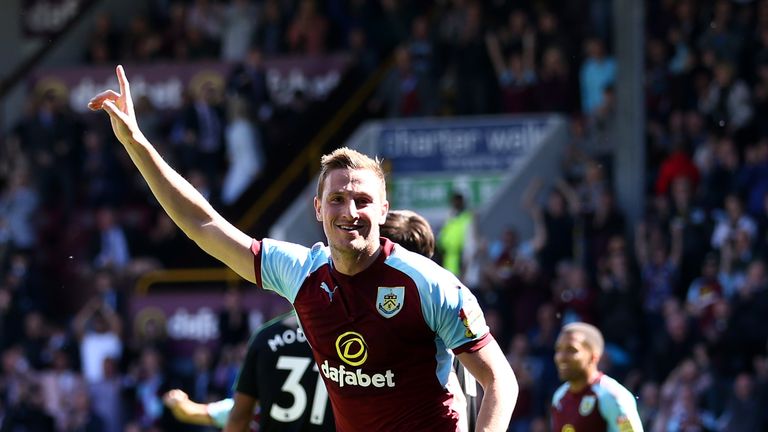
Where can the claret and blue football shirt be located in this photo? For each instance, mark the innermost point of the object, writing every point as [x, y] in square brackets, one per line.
[384, 339]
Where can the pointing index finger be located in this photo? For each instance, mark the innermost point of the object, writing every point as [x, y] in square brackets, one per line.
[125, 87]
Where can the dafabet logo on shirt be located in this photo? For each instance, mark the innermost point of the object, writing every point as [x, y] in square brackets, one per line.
[352, 350]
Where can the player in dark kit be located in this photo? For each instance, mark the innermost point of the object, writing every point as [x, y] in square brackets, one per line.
[384, 323]
[279, 376]
[588, 400]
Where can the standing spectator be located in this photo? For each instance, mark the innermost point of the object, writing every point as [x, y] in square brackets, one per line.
[619, 310]
[244, 153]
[450, 240]
[248, 81]
[743, 412]
[29, 413]
[110, 244]
[58, 384]
[734, 220]
[204, 132]
[658, 269]
[597, 72]
[677, 164]
[83, 418]
[473, 69]
[555, 221]
[728, 103]
[106, 396]
[308, 31]
[554, 90]
[404, 92]
[239, 19]
[271, 32]
[233, 320]
[97, 328]
[18, 205]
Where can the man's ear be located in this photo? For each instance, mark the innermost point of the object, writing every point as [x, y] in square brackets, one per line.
[384, 212]
[318, 214]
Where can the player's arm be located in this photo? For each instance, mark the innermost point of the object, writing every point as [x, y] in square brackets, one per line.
[183, 203]
[185, 410]
[242, 413]
[619, 410]
[491, 369]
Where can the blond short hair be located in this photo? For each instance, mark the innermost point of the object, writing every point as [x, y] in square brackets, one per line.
[593, 339]
[346, 158]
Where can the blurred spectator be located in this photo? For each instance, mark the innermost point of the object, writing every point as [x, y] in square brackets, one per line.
[142, 44]
[205, 16]
[97, 328]
[619, 310]
[148, 383]
[35, 339]
[671, 347]
[110, 247]
[555, 223]
[422, 49]
[233, 320]
[204, 132]
[597, 72]
[648, 405]
[720, 36]
[404, 92]
[472, 68]
[18, 204]
[245, 154]
[248, 81]
[83, 418]
[450, 239]
[100, 167]
[743, 412]
[554, 90]
[239, 22]
[106, 396]
[271, 36]
[677, 164]
[733, 221]
[574, 296]
[728, 102]
[58, 384]
[28, 414]
[106, 38]
[308, 31]
[659, 266]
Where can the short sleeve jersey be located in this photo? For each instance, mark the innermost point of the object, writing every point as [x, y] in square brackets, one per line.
[385, 338]
[279, 371]
[603, 406]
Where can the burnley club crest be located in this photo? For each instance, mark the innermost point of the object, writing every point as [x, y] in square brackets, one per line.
[389, 301]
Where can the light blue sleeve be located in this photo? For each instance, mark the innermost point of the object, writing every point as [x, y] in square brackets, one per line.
[219, 411]
[619, 408]
[285, 266]
[449, 308]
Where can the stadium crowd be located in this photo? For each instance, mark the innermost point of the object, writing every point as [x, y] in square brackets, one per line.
[681, 296]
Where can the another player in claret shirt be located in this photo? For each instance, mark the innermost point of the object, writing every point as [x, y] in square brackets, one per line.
[589, 400]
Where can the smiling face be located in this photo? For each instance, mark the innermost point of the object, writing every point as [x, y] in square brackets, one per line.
[351, 206]
[575, 361]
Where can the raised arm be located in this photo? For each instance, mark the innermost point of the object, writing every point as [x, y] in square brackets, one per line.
[183, 203]
[491, 369]
[185, 410]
